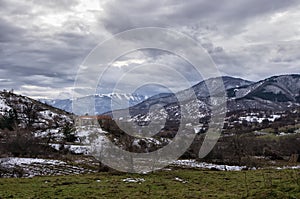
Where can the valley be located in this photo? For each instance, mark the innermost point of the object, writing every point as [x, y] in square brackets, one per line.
[260, 135]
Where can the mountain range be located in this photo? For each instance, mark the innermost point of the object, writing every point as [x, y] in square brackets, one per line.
[277, 93]
[274, 93]
[103, 102]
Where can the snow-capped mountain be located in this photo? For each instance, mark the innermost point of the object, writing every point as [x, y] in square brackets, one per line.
[274, 93]
[103, 102]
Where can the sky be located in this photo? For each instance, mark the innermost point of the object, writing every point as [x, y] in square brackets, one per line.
[43, 44]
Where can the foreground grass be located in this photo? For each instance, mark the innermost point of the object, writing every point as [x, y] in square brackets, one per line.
[162, 184]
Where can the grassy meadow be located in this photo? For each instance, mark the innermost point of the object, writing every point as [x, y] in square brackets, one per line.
[178, 183]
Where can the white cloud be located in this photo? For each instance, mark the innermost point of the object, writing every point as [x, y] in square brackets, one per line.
[128, 62]
[39, 92]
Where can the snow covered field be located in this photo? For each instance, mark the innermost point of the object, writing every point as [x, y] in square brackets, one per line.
[30, 167]
[204, 165]
[9, 162]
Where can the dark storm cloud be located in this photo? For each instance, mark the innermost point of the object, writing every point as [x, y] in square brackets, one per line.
[57, 5]
[123, 15]
[33, 51]
[43, 43]
[238, 22]
[9, 32]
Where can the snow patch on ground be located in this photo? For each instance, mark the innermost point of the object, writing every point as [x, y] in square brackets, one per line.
[204, 165]
[181, 180]
[77, 149]
[3, 107]
[20, 161]
[255, 118]
[288, 167]
[134, 180]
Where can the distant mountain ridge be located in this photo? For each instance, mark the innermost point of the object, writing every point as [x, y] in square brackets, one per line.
[102, 101]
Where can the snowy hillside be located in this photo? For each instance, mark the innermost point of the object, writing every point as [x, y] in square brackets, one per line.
[277, 88]
[274, 93]
[278, 92]
[201, 89]
[32, 114]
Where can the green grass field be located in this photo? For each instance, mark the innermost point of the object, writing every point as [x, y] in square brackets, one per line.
[161, 184]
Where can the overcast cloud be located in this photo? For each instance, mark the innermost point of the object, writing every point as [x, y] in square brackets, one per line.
[43, 43]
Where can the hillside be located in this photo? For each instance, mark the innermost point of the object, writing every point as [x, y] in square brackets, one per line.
[29, 113]
[27, 126]
[274, 93]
